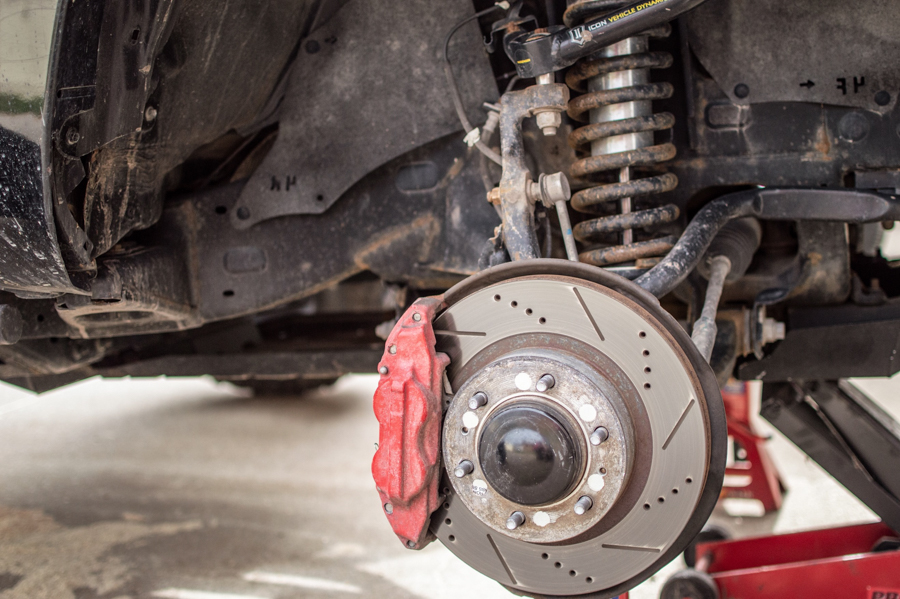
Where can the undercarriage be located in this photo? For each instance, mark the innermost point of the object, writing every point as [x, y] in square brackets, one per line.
[554, 229]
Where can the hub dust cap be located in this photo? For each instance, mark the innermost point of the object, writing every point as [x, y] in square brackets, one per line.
[582, 449]
[529, 454]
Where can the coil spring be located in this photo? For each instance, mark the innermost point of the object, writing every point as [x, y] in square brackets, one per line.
[595, 195]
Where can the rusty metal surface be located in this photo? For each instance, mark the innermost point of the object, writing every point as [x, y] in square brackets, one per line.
[643, 157]
[620, 222]
[517, 211]
[647, 91]
[626, 253]
[576, 386]
[587, 69]
[595, 131]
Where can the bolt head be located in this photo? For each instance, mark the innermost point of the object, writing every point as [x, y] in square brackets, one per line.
[417, 317]
[392, 349]
[150, 114]
[383, 370]
[72, 136]
[388, 508]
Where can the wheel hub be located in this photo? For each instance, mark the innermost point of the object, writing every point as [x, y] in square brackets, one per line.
[582, 441]
[534, 450]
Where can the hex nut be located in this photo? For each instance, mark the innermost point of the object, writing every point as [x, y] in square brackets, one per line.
[549, 121]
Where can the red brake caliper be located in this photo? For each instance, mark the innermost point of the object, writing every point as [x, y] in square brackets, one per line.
[406, 466]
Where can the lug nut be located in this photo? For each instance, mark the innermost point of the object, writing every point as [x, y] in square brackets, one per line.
[417, 317]
[516, 520]
[477, 400]
[545, 382]
[583, 505]
[599, 435]
[383, 370]
[465, 467]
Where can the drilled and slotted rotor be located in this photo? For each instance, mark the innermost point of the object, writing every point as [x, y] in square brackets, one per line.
[618, 363]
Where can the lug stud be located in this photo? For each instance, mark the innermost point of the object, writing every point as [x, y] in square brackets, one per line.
[465, 467]
[599, 435]
[583, 505]
[477, 400]
[515, 520]
[544, 383]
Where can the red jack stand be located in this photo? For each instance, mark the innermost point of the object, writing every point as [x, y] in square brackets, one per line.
[859, 562]
[753, 461]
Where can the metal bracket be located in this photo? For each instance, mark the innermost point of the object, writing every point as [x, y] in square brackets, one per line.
[515, 195]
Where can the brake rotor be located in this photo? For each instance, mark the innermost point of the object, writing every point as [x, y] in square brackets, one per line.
[584, 443]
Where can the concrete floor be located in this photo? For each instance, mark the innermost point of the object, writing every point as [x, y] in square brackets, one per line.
[188, 489]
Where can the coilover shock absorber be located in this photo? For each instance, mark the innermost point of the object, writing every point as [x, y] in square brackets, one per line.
[616, 105]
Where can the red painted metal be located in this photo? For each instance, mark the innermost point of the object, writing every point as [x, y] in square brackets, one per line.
[765, 484]
[832, 563]
[407, 405]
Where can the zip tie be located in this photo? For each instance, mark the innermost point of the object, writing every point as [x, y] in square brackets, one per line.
[472, 137]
